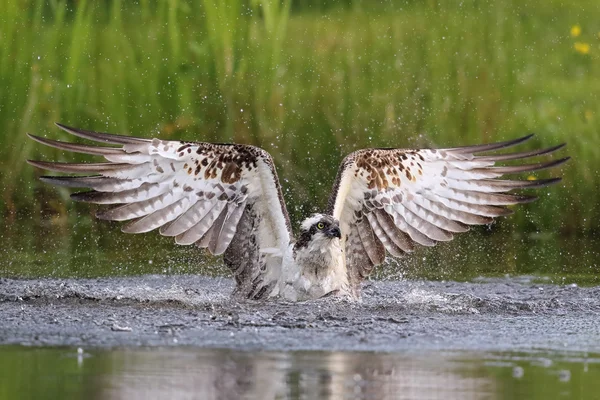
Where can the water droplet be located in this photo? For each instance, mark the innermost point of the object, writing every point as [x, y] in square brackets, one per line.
[518, 372]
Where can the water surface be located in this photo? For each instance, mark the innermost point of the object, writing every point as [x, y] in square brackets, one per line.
[53, 373]
[84, 248]
[88, 312]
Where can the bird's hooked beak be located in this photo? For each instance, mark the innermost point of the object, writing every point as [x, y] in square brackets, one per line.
[333, 232]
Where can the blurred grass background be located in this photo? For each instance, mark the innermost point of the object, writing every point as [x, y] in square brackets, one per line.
[309, 81]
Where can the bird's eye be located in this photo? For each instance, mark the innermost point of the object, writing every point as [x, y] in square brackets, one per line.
[320, 225]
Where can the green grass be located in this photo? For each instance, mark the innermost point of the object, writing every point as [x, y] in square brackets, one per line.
[308, 83]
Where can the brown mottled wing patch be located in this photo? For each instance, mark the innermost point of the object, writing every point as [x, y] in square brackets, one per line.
[195, 192]
[249, 265]
[392, 199]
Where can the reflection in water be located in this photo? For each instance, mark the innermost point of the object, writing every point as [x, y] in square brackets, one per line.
[191, 373]
[223, 374]
[203, 375]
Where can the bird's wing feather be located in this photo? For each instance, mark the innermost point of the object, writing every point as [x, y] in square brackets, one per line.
[391, 199]
[223, 197]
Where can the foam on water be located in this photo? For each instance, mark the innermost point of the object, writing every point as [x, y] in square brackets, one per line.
[503, 314]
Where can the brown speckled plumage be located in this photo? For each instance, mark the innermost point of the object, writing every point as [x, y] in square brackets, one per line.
[227, 198]
[391, 199]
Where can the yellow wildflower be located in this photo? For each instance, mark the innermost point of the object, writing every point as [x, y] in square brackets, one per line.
[575, 30]
[582, 48]
[531, 178]
[589, 114]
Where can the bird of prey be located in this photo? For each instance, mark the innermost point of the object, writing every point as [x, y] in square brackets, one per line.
[227, 198]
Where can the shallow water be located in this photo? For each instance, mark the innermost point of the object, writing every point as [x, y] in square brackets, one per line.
[183, 373]
[394, 316]
[491, 315]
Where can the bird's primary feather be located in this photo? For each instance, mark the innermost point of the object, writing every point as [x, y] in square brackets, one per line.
[400, 197]
[227, 198]
[196, 192]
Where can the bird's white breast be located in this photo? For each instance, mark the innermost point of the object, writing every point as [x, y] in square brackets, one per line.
[314, 271]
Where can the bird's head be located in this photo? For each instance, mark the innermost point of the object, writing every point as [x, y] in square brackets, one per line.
[318, 229]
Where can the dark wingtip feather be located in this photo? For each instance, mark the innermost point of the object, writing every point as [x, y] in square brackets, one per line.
[130, 227]
[480, 148]
[50, 165]
[77, 148]
[108, 215]
[554, 163]
[140, 225]
[98, 197]
[103, 217]
[70, 181]
[77, 168]
[522, 184]
[54, 180]
[559, 146]
[564, 160]
[528, 167]
[539, 183]
[521, 155]
[34, 163]
[128, 211]
[544, 182]
[524, 199]
[100, 136]
[91, 196]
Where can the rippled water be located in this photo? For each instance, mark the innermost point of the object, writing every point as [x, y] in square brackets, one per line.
[394, 316]
[60, 373]
[92, 313]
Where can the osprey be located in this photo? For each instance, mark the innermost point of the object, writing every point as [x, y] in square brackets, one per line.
[227, 198]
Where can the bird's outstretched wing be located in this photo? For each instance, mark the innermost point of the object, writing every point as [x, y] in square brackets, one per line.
[390, 199]
[223, 197]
